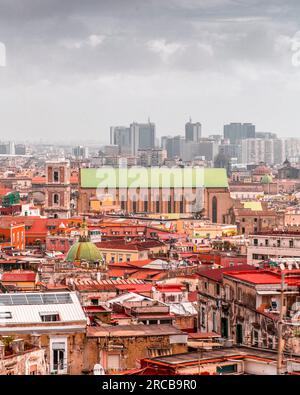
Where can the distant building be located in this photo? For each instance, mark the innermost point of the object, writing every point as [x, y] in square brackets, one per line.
[121, 136]
[207, 148]
[239, 131]
[151, 157]
[255, 151]
[193, 131]
[137, 136]
[20, 149]
[143, 136]
[287, 171]
[80, 152]
[7, 148]
[173, 146]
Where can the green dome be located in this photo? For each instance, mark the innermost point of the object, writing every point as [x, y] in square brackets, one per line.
[84, 251]
[266, 179]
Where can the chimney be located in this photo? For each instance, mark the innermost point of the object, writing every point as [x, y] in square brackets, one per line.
[36, 340]
[17, 346]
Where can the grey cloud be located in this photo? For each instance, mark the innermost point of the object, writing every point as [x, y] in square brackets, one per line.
[48, 49]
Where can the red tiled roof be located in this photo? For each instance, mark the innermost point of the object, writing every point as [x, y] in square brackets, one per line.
[140, 263]
[159, 276]
[18, 276]
[217, 274]
[38, 180]
[119, 272]
[264, 277]
[136, 288]
[144, 274]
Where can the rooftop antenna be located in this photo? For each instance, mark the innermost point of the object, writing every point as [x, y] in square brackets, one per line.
[190, 119]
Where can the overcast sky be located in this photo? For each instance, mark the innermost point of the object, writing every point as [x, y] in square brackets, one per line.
[76, 67]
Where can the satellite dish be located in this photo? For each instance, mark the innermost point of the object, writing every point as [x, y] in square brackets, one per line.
[98, 370]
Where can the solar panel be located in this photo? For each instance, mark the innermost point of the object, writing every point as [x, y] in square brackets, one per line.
[5, 300]
[33, 299]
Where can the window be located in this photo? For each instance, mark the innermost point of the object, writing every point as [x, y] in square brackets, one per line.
[205, 285]
[278, 243]
[170, 206]
[203, 316]
[291, 243]
[95, 302]
[227, 292]
[266, 242]
[49, 317]
[134, 206]
[214, 320]
[239, 294]
[218, 289]
[58, 359]
[146, 205]
[5, 315]
[214, 210]
[255, 338]
[55, 198]
[181, 207]
[157, 206]
[55, 176]
[255, 242]
[227, 369]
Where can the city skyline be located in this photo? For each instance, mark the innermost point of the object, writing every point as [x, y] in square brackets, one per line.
[79, 69]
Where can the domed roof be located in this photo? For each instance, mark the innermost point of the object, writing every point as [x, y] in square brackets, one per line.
[84, 251]
[262, 169]
[266, 179]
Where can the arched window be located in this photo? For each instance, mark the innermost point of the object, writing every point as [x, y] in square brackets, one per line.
[214, 210]
[56, 198]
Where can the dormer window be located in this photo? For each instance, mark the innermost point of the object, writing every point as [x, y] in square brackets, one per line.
[5, 315]
[49, 317]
